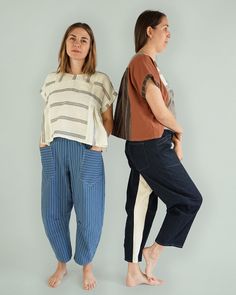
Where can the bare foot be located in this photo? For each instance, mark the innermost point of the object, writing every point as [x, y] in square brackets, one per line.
[89, 281]
[136, 277]
[151, 255]
[140, 278]
[58, 275]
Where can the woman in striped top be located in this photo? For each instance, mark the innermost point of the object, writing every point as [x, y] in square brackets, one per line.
[77, 120]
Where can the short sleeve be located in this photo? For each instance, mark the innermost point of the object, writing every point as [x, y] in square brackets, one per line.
[45, 89]
[109, 94]
[141, 69]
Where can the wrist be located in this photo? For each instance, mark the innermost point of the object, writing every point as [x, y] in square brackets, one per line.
[178, 136]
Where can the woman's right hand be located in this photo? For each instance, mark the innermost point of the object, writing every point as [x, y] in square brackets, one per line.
[178, 135]
[178, 148]
[42, 145]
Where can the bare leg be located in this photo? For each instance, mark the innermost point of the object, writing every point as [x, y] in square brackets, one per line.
[89, 281]
[58, 275]
[151, 255]
[136, 277]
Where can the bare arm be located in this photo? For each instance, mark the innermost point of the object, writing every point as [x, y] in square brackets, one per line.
[160, 110]
[107, 119]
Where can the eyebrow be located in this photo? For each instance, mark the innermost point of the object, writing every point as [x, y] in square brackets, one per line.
[76, 36]
[165, 26]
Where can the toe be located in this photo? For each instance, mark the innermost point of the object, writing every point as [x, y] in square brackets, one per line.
[50, 282]
[54, 283]
[155, 281]
[152, 278]
[86, 286]
[160, 282]
[57, 283]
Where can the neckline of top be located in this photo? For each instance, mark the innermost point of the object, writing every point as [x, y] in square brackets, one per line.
[70, 74]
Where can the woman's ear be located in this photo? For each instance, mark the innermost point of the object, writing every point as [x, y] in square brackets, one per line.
[149, 32]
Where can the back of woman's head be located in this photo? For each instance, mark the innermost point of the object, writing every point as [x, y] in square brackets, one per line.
[148, 18]
[89, 65]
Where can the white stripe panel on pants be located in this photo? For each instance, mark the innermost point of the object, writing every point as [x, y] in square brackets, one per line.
[140, 210]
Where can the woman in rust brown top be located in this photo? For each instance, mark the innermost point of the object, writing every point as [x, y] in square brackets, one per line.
[144, 117]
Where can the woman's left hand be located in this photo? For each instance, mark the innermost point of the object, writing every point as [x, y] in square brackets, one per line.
[96, 148]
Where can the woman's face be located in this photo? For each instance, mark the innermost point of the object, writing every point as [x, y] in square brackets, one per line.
[160, 36]
[78, 44]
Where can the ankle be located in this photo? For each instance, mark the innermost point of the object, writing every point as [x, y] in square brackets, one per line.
[61, 265]
[133, 269]
[88, 267]
[156, 249]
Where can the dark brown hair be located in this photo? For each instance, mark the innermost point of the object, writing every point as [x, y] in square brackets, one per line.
[149, 18]
[89, 65]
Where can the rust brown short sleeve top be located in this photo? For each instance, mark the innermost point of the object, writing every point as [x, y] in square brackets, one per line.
[134, 119]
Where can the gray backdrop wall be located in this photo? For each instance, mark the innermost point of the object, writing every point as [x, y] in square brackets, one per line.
[199, 64]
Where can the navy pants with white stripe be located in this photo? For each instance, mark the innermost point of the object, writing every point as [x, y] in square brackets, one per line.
[72, 176]
[156, 172]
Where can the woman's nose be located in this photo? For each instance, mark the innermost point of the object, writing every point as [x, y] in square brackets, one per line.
[77, 43]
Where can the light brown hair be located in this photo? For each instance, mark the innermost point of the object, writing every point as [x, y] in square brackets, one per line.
[89, 65]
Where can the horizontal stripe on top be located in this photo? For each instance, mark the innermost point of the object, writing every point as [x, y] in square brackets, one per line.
[78, 91]
[69, 118]
[76, 104]
[69, 134]
[49, 83]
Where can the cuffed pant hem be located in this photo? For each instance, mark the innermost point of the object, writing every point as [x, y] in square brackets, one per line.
[131, 261]
[63, 260]
[84, 262]
[169, 244]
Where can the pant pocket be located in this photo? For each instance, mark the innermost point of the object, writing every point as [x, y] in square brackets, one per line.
[47, 161]
[92, 169]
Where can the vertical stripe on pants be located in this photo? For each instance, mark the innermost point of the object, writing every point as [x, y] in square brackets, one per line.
[72, 176]
[156, 172]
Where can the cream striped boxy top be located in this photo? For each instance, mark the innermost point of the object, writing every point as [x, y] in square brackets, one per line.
[73, 107]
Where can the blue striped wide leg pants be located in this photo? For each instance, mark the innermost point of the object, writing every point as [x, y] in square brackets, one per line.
[72, 176]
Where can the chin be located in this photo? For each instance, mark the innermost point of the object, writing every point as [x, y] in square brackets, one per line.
[160, 50]
[77, 57]
[164, 47]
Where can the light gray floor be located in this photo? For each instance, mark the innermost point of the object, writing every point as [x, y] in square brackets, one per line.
[205, 264]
